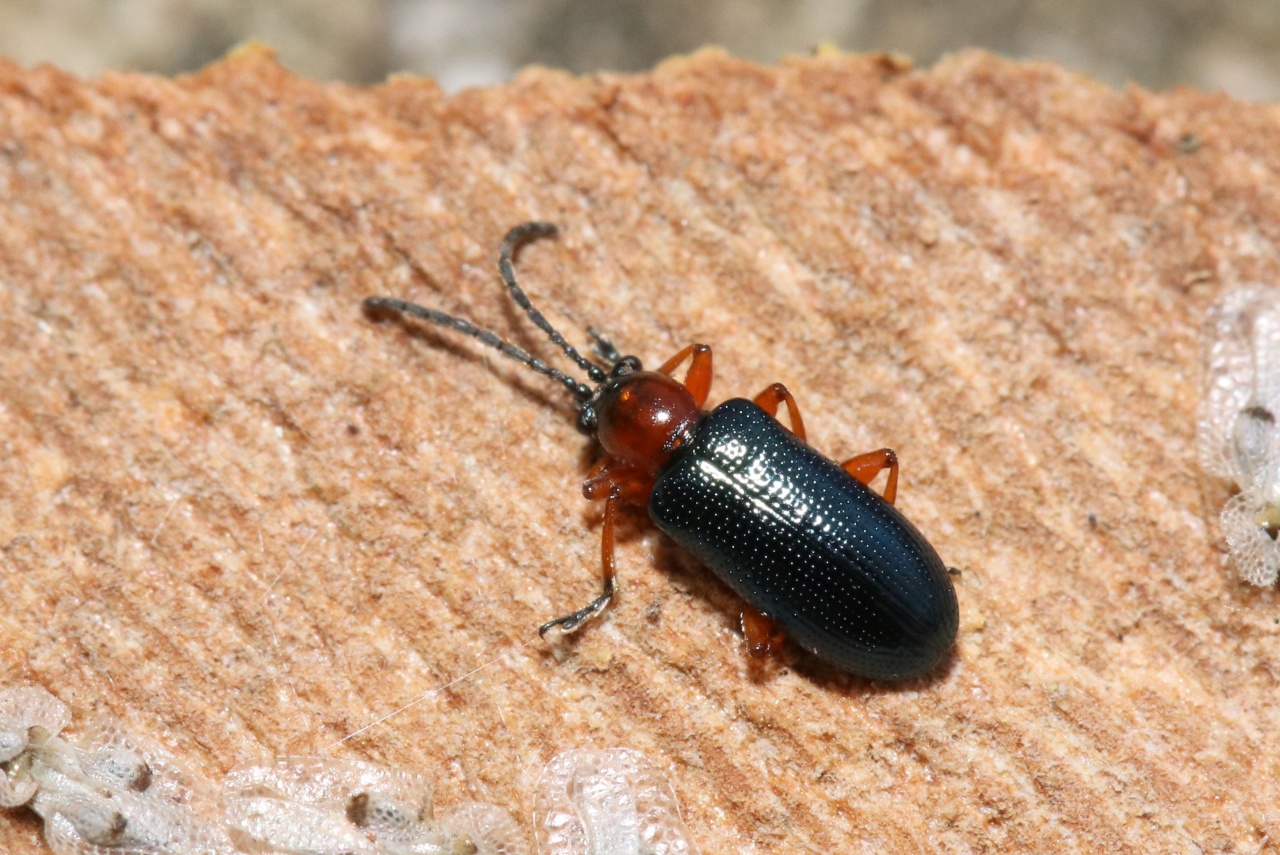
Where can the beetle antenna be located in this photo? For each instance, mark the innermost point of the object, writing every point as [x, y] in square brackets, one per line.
[513, 241]
[377, 305]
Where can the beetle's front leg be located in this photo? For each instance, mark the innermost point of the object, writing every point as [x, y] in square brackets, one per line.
[698, 378]
[614, 484]
[571, 622]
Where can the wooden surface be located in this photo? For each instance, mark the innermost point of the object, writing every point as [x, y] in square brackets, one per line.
[245, 520]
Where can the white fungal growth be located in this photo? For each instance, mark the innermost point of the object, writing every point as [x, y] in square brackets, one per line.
[320, 806]
[108, 793]
[610, 802]
[1238, 435]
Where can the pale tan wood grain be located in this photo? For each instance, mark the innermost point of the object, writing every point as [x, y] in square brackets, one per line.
[247, 521]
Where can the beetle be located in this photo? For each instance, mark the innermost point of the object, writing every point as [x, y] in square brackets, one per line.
[816, 554]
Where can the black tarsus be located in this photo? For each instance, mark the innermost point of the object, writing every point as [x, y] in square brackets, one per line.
[514, 239]
[570, 623]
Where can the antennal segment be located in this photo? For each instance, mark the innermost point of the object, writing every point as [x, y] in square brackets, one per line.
[515, 238]
[382, 305]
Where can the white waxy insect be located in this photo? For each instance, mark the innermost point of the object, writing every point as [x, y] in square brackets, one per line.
[108, 793]
[1238, 435]
[610, 802]
[27, 714]
[491, 829]
[320, 806]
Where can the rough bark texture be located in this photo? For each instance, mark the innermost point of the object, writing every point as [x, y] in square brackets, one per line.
[246, 520]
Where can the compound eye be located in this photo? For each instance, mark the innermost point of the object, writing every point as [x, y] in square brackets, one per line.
[626, 365]
[587, 420]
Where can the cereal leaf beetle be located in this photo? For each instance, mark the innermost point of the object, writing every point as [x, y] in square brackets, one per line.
[814, 552]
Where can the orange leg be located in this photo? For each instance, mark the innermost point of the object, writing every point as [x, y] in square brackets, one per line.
[764, 636]
[571, 622]
[772, 397]
[865, 467]
[608, 475]
[614, 484]
[698, 379]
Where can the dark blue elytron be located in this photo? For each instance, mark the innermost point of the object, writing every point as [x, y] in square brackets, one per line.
[847, 576]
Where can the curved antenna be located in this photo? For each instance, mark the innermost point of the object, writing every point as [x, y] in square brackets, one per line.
[513, 241]
[390, 304]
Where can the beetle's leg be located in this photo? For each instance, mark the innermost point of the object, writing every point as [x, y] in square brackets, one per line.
[865, 467]
[771, 397]
[763, 633]
[614, 483]
[608, 475]
[698, 378]
[570, 622]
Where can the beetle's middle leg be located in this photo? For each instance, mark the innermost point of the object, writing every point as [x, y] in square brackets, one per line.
[614, 484]
[865, 467]
[772, 397]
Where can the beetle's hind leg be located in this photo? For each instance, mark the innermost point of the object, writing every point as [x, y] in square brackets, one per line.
[772, 397]
[764, 635]
[865, 467]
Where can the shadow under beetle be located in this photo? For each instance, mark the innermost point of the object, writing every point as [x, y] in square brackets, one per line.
[815, 553]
